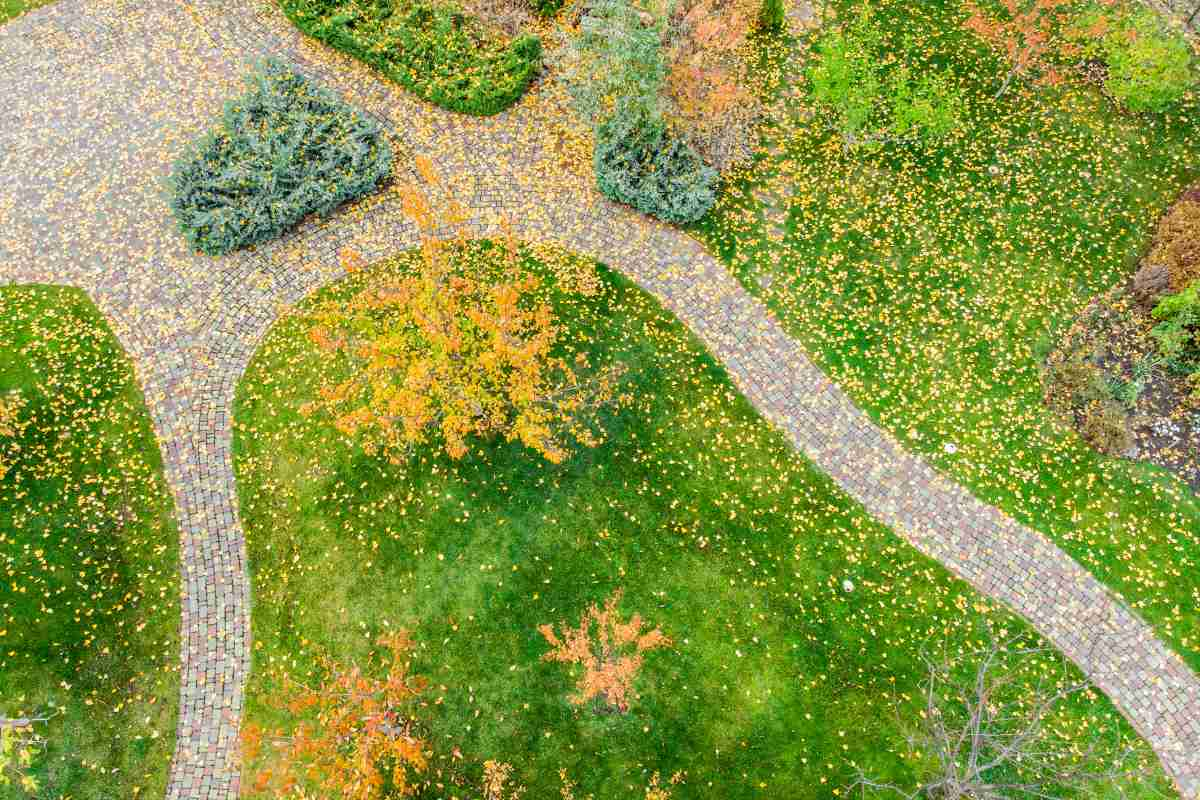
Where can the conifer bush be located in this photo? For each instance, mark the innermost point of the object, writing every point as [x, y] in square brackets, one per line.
[285, 149]
[638, 163]
[437, 52]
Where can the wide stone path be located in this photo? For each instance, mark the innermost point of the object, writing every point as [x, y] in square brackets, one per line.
[99, 95]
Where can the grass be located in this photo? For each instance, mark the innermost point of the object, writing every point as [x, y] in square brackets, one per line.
[14, 8]
[929, 283]
[89, 605]
[779, 680]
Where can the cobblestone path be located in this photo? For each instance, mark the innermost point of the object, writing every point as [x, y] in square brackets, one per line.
[98, 97]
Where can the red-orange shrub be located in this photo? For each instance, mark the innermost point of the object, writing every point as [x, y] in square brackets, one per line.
[609, 650]
[710, 102]
[351, 737]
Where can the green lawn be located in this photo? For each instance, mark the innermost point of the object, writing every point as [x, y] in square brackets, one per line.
[927, 283]
[12, 8]
[89, 604]
[779, 679]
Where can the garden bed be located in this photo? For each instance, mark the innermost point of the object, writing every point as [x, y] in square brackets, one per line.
[1156, 412]
[1127, 372]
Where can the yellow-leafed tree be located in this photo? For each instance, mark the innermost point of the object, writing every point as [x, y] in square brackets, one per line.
[448, 354]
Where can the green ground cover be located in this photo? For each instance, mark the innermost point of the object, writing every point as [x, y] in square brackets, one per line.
[929, 282]
[12, 8]
[89, 603]
[779, 679]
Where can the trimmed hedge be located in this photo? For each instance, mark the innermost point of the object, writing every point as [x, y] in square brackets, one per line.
[437, 52]
[547, 8]
[284, 150]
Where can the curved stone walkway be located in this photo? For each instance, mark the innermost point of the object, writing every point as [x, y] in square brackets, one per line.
[110, 89]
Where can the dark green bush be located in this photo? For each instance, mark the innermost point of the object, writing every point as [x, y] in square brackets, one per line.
[637, 163]
[284, 150]
[437, 52]
[771, 16]
[546, 8]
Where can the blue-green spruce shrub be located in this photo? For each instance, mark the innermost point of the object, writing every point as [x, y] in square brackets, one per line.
[638, 163]
[285, 149]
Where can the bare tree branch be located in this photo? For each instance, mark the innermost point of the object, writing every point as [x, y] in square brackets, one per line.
[991, 734]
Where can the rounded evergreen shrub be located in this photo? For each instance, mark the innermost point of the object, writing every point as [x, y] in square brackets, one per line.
[637, 163]
[1176, 244]
[284, 150]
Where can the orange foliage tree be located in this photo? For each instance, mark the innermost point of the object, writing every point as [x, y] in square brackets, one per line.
[450, 353]
[707, 86]
[1027, 32]
[353, 738]
[610, 655]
